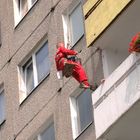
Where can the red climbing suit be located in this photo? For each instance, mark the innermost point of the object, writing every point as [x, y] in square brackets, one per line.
[61, 58]
[135, 43]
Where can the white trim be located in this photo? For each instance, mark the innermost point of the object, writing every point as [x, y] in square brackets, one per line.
[17, 17]
[22, 87]
[65, 29]
[74, 117]
[29, 3]
[35, 70]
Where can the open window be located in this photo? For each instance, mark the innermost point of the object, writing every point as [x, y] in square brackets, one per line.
[21, 8]
[73, 23]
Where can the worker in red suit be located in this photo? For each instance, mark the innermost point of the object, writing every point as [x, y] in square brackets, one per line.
[135, 43]
[78, 72]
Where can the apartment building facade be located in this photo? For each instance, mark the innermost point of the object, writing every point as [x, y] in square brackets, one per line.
[31, 108]
[111, 25]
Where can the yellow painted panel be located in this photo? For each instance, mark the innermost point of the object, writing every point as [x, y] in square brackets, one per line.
[88, 5]
[101, 17]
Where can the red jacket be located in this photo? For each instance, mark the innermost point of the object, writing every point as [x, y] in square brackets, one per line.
[61, 57]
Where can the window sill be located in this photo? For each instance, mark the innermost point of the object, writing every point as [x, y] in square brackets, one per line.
[84, 130]
[46, 77]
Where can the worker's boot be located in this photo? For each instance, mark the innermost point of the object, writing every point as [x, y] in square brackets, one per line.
[84, 84]
[93, 87]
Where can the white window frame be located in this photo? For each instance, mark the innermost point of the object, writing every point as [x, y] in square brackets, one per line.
[25, 73]
[22, 73]
[3, 117]
[75, 118]
[66, 22]
[17, 13]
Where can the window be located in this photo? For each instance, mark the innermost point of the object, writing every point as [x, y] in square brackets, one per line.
[81, 111]
[73, 23]
[42, 62]
[35, 69]
[47, 134]
[76, 24]
[28, 76]
[2, 106]
[21, 7]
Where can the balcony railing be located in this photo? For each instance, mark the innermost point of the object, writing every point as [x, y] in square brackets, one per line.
[113, 99]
